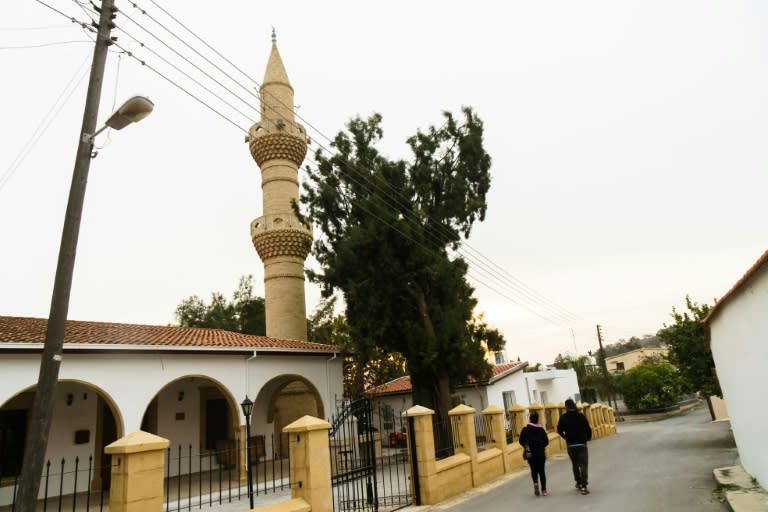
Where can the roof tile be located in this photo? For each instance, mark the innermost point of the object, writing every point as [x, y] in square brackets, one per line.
[32, 330]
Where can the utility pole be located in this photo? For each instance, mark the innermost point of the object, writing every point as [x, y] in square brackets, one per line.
[605, 368]
[42, 408]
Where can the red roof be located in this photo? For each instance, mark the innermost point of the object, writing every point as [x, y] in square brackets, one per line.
[403, 384]
[754, 269]
[17, 330]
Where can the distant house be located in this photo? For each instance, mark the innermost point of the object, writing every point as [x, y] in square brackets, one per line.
[628, 360]
[737, 334]
[181, 383]
[508, 385]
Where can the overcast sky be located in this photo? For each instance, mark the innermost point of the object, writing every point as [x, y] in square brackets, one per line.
[630, 164]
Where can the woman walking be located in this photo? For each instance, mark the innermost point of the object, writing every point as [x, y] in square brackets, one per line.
[535, 437]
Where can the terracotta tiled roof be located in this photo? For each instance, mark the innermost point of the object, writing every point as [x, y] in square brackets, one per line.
[735, 288]
[15, 330]
[403, 384]
[502, 370]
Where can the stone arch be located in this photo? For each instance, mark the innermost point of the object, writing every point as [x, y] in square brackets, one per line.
[194, 411]
[94, 421]
[285, 399]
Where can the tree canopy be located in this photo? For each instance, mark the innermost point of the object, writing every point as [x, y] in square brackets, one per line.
[650, 386]
[390, 230]
[365, 366]
[687, 349]
[244, 313]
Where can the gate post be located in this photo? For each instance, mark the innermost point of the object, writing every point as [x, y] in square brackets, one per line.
[423, 465]
[467, 441]
[310, 462]
[138, 462]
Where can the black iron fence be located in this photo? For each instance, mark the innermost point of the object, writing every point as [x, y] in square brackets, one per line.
[483, 431]
[194, 480]
[369, 460]
[446, 433]
[67, 485]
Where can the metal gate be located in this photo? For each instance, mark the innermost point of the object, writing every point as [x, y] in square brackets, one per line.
[369, 461]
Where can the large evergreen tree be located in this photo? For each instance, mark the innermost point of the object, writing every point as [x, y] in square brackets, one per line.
[389, 234]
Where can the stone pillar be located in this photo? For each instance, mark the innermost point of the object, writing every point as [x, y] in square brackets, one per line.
[516, 420]
[552, 413]
[310, 462]
[498, 435]
[138, 463]
[587, 410]
[465, 423]
[426, 466]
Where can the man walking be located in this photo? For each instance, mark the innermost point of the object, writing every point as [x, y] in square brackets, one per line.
[575, 429]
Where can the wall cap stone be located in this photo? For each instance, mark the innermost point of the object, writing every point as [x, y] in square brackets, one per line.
[136, 442]
[307, 423]
[461, 409]
[493, 409]
[418, 410]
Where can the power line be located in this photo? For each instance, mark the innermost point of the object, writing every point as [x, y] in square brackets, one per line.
[45, 123]
[206, 105]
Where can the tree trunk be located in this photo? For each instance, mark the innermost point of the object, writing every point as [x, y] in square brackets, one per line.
[711, 409]
[437, 392]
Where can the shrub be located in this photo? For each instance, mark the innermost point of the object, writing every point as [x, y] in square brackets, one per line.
[650, 386]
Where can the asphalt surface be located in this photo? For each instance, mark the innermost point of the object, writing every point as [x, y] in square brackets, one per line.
[664, 465]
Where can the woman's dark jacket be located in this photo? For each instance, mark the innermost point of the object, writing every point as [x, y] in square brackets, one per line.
[536, 437]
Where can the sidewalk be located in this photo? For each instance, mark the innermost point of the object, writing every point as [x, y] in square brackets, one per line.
[740, 491]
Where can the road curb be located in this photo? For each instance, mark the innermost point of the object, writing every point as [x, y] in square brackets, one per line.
[740, 491]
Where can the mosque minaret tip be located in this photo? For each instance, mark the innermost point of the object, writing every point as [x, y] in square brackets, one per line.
[278, 145]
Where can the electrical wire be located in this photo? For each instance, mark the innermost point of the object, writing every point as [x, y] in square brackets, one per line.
[527, 297]
[45, 122]
[206, 105]
[42, 45]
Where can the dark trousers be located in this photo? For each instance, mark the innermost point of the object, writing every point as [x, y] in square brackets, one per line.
[579, 461]
[537, 470]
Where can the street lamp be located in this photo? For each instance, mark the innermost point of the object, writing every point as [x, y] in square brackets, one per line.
[247, 406]
[131, 111]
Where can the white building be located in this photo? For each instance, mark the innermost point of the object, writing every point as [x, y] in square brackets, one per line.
[508, 385]
[184, 384]
[738, 334]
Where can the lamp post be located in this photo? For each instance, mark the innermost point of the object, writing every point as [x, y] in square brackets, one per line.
[133, 110]
[247, 406]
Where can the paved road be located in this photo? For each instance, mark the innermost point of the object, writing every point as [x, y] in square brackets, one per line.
[664, 465]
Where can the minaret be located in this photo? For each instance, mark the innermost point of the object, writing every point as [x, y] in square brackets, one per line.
[278, 145]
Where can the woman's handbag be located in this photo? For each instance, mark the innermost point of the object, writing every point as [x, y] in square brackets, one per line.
[526, 452]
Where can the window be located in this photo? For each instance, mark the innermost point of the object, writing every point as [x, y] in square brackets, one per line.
[619, 367]
[544, 397]
[509, 399]
[388, 417]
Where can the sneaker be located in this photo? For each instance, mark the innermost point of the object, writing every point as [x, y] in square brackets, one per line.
[536, 489]
[544, 492]
[584, 491]
[578, 486]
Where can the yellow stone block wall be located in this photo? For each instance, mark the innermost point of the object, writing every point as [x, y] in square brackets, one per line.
[469, 467]
[490, 465]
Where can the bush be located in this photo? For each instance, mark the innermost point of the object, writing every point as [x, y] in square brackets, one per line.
[650, 386]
